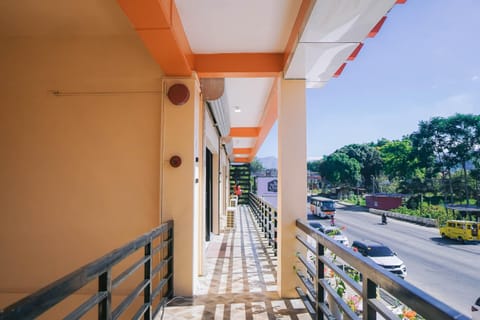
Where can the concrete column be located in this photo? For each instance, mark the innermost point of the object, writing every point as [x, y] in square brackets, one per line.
[292, 178]
[180, 185]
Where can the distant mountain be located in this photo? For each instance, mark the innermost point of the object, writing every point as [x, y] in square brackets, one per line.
[268, 162]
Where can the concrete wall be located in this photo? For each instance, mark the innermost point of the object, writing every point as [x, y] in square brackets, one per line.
[405, 217]
[79, 173]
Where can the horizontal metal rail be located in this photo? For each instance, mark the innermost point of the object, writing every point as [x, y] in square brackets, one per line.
[46, 298]
[266, 216]
[374, 279]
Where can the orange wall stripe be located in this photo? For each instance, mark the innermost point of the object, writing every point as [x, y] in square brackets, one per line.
[244, 132]
[401, 1]
[238, 65]
[355, 52]
[159, 26]
[377, 27]
[242, 150]
[302, 17]
[269, 117]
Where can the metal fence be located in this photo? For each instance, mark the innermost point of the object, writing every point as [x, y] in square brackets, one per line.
[376, 288]
[266, 216]
[155, 287]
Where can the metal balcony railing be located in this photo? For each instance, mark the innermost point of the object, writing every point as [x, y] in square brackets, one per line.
[156, 285]
[378, 290]
[266, 216]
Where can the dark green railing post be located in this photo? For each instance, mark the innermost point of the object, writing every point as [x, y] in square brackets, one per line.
[369, 292]
[320, 276]
[105, 306]
[170, 262]
[147, 292]
[275, 231]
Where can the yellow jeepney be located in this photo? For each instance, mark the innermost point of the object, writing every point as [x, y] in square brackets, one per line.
[461, 230]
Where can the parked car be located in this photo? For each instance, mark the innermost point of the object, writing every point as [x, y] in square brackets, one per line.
[337, 234]
[476, 309]
[381, 255]
[317, 225]
[332, 231]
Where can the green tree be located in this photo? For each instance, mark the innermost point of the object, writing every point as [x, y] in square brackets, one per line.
[442, 144]
[464, 130]
[339, 168]
[397, 159]
[369, 159]
[314, 166]
[256, 166]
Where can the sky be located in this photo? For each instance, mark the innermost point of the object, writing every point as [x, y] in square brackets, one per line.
[424, 63]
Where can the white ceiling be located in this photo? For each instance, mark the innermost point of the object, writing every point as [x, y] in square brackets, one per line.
[233, 26]
[250, 95]
[331, 32]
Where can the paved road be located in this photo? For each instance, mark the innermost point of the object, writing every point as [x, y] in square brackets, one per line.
[445, 269]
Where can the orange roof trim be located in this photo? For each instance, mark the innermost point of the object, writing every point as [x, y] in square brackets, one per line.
[377, 27]
[303, 14]
[339, 71]
[355, 52]
[269, 117]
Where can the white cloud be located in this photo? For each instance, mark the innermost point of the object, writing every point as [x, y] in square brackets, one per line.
[475, 78]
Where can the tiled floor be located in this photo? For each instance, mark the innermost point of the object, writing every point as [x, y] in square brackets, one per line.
[240, 280]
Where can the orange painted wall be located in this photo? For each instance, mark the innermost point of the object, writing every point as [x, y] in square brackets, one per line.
[79, 174]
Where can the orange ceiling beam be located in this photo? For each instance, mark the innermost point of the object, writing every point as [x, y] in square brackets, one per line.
[241, 160]
[242, 150]
[159, 26]
[238, 65]
[302, 17]
[269, 117]
[244, 132]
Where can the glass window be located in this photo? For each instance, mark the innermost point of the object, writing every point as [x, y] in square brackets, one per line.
[328, 205]
[380, 252]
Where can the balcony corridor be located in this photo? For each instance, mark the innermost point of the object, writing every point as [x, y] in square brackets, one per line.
[240, 280]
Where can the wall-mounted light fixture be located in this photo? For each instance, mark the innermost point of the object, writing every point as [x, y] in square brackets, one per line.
[178, 94]
[175, 161]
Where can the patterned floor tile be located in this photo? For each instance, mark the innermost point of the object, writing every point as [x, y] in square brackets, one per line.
[239, 281]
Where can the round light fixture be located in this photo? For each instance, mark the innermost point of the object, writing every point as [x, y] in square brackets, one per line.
[178, 94]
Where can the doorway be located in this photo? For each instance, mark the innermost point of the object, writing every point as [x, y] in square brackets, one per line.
[208, 194]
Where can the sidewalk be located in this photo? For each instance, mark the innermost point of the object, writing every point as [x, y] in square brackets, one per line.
[240, 281]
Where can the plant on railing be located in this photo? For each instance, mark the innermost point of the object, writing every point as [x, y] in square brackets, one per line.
[354, 274]
[406, 313]
[333, 232]
[340, 286]
[355, 303]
